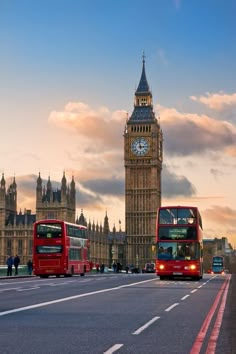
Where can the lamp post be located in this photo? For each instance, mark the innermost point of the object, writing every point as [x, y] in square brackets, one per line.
[153, 251]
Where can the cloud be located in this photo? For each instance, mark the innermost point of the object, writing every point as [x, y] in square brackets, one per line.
[216, 172]
[100, 132]
[99, 129]
[188, 134]
[87, 194]
[174, 185]
[94, 193]
[216, 101]
[114, 186]
[223, 218]
[224, 214]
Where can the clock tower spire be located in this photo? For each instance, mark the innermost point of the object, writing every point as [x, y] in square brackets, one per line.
[143, 164]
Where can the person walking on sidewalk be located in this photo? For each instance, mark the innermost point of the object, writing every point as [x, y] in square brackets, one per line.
[9, 263]
[16, 263]
[30, 266]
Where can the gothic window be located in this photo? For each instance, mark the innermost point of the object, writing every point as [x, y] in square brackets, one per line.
[51, 215]
[30, 251]
[20, 247]
[9, 247]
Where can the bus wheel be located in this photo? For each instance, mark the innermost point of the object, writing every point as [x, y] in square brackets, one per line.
[81, 274]
[72, 271]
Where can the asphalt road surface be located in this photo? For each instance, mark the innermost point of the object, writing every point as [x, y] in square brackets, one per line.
[117, 313]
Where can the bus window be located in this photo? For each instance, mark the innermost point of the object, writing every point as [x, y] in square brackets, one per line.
[49, 249]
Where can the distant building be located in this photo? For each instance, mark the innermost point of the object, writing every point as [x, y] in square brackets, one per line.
[16, 229]
[216, 247]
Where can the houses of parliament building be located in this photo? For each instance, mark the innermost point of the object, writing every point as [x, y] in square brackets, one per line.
[16, 229]
[143, 164]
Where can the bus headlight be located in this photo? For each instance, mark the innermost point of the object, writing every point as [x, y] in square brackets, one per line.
[191, 267]
[161, 266]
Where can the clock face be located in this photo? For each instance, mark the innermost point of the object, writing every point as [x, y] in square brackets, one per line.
[140, 146]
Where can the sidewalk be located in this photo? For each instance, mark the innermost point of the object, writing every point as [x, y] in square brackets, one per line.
[22, 272]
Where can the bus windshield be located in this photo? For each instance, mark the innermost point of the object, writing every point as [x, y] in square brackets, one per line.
[178, 250]
[217, 261]
[177, 216]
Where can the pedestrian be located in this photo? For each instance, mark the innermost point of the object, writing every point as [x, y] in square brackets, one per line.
[9, 263]
[16, 263]
[97, 267]
[127, 269]
[102, 268]
[118, 267]
[30, 266]
[114, 267]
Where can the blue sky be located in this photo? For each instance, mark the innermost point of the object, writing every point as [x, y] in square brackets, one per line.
[68, 73]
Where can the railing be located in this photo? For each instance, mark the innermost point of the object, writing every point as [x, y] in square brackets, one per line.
[22, 270]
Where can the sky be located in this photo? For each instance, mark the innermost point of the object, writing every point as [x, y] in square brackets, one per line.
[68, 74]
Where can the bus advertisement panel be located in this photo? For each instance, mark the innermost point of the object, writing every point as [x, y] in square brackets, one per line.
[60, 248]
[179, 239]
[217, 265]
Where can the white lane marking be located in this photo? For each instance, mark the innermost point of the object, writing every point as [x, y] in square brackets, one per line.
[113, 349]
[185, 297]
[193, 291]
[20, 282]
[36, 287]
[70, 298]
[171, 307]
[7, 289]
[146, 325]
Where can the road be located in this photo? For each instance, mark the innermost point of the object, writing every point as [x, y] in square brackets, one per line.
[114, 313]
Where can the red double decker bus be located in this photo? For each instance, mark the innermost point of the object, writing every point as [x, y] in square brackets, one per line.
[60, 248]
[179, 237]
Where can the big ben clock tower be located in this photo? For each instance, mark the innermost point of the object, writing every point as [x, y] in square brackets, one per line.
[143, 165]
